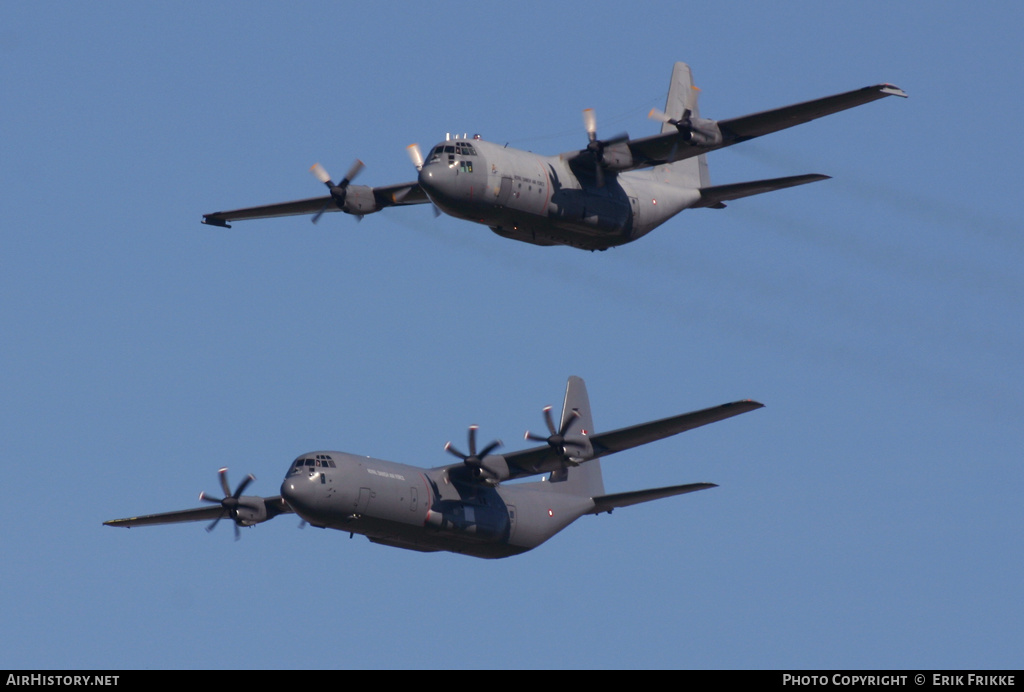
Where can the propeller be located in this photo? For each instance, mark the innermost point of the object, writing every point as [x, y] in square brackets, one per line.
[473, 460]
[597, 146]
[556, 440]
[685, 122]
[590, 123]
[230, 502]
[337, 191]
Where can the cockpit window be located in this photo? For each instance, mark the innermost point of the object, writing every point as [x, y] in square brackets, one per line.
[312, 462]
[458, 148]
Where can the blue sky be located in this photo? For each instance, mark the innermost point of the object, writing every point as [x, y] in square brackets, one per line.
[869, 516]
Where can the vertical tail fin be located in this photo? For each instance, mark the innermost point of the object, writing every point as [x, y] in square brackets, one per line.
[682, 95]
[584, 480]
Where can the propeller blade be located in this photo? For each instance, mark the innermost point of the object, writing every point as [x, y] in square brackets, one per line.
[691, 100]
[573, 415]
[223, 473]
[243, 485]
[590, 123]
[415, 155]
[212, 526]
[316, 217]
[321, 174]
[660, 116]
[472, 440]
[549, 420]
[206, 498]
[352, 173]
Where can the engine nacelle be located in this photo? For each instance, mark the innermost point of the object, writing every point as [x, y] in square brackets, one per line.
[577, 448]
[250, 511]
[617, 157]
[492, 469]
[703, 133]
[359, 200]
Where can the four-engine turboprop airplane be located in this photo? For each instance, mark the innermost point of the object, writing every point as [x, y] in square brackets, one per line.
[610, 193]
[464, 507]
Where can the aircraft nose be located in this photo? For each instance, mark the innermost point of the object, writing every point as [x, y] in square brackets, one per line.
[426, 178]
[296, 492]
[435, 179]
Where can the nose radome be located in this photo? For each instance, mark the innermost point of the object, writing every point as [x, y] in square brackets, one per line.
[292, 490]
[426, 178]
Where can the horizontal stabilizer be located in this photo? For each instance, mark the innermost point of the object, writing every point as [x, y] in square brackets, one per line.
[607, 503]
[717, 195]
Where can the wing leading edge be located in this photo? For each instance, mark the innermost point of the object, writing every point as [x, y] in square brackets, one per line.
[274, 505]
[543, 459]
[370, 199]
[708, 135]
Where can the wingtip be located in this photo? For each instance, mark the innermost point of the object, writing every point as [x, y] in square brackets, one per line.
[212, 220]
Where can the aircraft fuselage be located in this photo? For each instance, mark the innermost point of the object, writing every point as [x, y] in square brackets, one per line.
[424, 509]
[541, 200]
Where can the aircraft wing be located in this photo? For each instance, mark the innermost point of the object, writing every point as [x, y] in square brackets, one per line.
[708, 135]
[376, 198]
[274, 506]
[737, 130]
[636, 435]
[543, 459]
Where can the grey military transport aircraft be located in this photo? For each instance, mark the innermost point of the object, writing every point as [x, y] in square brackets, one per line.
[465, 507]
[610, 193]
